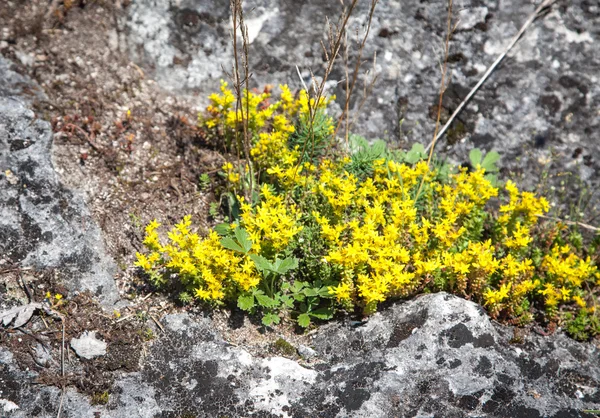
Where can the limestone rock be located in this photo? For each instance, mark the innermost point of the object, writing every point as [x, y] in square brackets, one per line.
[42, 224]
[438, 355]
[88, 345]
[540, 105]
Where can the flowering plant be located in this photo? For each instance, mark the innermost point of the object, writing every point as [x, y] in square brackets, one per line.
[328, 231]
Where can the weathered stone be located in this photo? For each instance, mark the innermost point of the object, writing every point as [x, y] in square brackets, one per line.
[88, 346]
[539, 108]
[306, 352]
[42, 224]
[438, 355]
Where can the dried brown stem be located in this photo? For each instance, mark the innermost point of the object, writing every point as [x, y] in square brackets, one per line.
[350, 85]
[335, 43]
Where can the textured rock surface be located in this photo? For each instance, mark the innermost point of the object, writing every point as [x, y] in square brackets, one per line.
[435, 356]
[438, 355]
[539, 109]
[42, 224]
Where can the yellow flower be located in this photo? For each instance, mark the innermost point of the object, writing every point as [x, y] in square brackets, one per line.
[341, 291]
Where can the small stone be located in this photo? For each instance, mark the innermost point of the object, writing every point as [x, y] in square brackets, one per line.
[12, 179]
[306, 352]
[88, 346]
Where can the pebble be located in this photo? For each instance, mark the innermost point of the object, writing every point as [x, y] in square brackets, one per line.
[306, 352]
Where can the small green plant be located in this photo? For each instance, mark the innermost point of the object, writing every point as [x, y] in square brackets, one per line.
[309, 298]
[148, 334]
[269, 297]
[203, 181]
[281, 346]
[488, 163]
[582, 326]
[185, 298]
[100, 398]
[213, 210]
[136, 222]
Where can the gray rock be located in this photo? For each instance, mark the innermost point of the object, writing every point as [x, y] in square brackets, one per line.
[42, 224]
[539, 106]
[88, 346]
[438, 355]
[306, 352]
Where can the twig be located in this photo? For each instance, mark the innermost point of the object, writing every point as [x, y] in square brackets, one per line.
[157, 323]
[567, 222]
[124, 318]
[86, 136]
[350, 86]
[335, 44]
[62, 397]
[543, 6]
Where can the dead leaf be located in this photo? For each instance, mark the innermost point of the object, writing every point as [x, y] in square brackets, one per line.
[20, 314]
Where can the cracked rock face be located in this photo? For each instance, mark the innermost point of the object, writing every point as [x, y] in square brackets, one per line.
[438, 355]
[539, 108]
[42, 224]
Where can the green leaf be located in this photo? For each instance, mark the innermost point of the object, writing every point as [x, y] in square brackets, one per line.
[245, 302]
[489, 161]
[222, 229]
[304, 320]
[322, 313]
[298, 286]
[265, 301]
[270, 319]
[230, 244]
[243, 238]
[261, 263]
[324, 292]
[378, 148]
[285, 265]
[310, 291]
[233, 205]
[492, 178]
[475, 157]
[299, 297]
[416, 153]
[288, 301]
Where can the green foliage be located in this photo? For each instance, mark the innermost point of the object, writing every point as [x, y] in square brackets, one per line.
[488, 163]
[416, 154]
[582, 326]
[311, 298]
[241, 243]
[312, 139]
[185, 298]
[213, 209]
[203, 181]
[269, 298]
[100, 398]
[363, 155]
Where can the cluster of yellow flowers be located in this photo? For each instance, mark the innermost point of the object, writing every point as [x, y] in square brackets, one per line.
[270, 124]
[565, 274]
[384, 249]
[203, 265]
[271, 223]
[401, 229]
